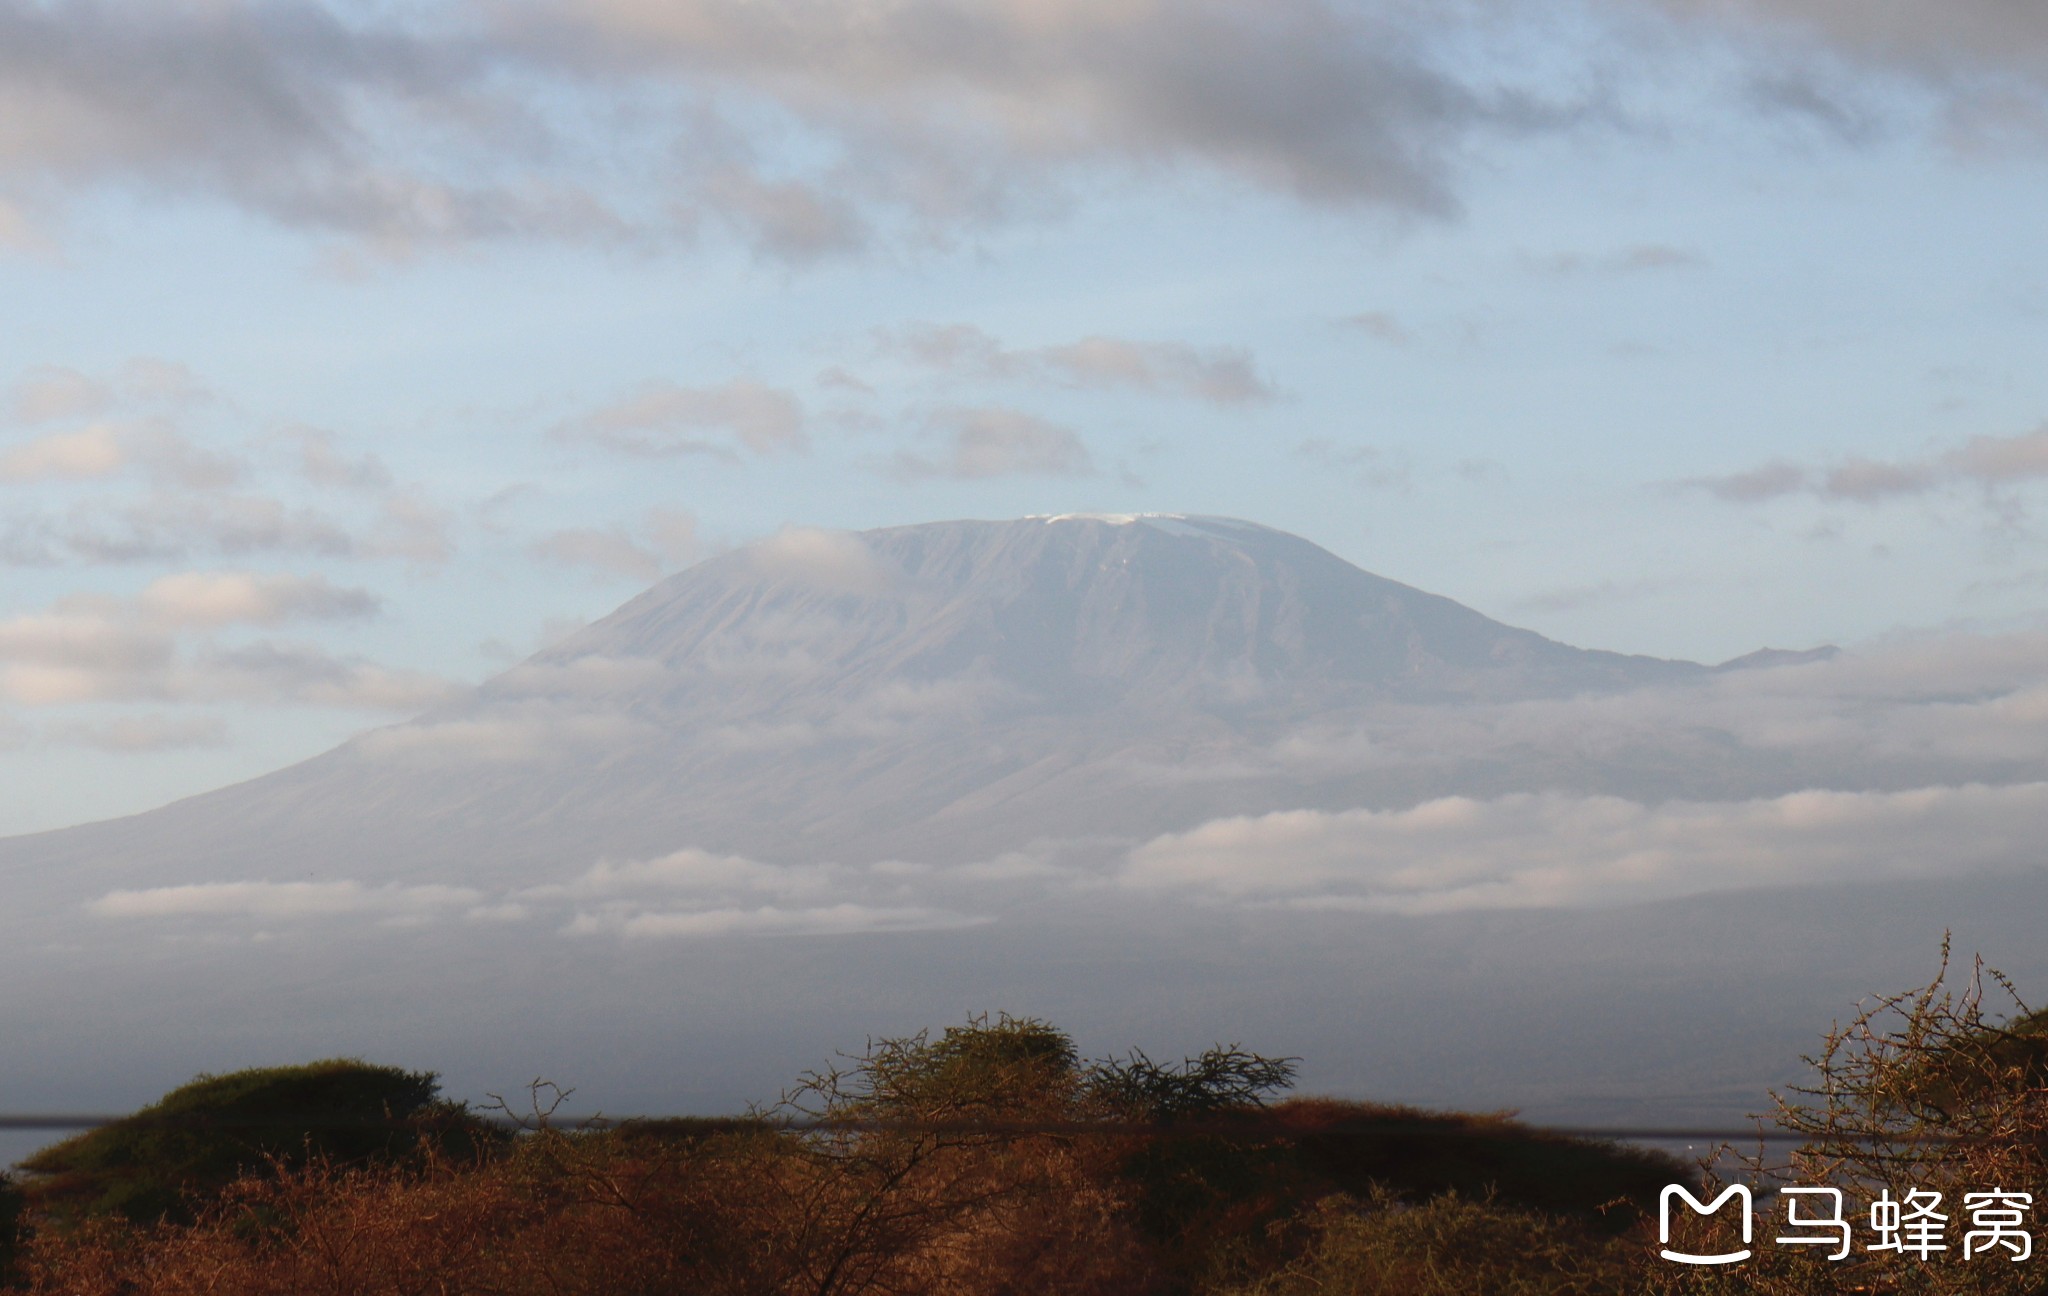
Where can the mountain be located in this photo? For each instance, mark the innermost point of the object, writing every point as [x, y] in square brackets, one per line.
[939, 693]
[1161, 779]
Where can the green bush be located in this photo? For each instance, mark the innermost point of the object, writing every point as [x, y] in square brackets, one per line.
[202, 1136]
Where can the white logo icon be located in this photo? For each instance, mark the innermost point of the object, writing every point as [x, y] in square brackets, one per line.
[1703, 1208]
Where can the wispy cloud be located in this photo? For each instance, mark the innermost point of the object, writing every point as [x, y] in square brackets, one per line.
[1636, 259]
[1990, 462]
[663, 420]
[273, 901]
[1554, 849]
[994, 442]
[1218, 375]
[96, 648]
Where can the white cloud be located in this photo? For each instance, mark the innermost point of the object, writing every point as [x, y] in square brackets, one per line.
[90, 452]
[283, 900]
[1555, 849]
[101, 649]
[768, 920]
[834, 561]
[520, 735]
[695, 893]
[218, 598]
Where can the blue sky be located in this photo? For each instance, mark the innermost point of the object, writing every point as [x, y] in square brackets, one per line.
[349, 353]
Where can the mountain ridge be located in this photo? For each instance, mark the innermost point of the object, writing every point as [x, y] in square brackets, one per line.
[945, 691]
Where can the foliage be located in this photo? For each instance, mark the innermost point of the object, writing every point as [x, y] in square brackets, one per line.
[11, 1209]
[204, 1135]
[1446, 1246]
[1218, 1080]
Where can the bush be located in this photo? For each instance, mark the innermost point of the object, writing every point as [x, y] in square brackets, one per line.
[11, 1227]
[202, 1136]
[1447, 1246]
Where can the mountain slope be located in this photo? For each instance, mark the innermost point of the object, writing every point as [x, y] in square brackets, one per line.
[940, 693]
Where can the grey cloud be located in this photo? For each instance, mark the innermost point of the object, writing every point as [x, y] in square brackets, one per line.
[1381, 325]
[47, 392]
[1630, 260]
[1873, 479]
[664, 420]
[1797, 94]
[1956, 39]
[405, 131]
[2003, 459]
[981, 443]
[322, 462]
[282, 109]
[1328, 104]
[1220, 375]
[1768, 482]
[1986, 461]
[786, 220]
[670, 540]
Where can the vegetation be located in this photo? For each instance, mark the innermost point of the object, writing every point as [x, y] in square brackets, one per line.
[203, 1136]
[993, 1158]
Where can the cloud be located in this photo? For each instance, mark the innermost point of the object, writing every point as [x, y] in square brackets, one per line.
[1630, 260]
[91, 452]
[1219, 375]
[1368, 466]
[133, 483]
[104, 450]
[199, 598]
[1382, 325]
[322, 463]
[769, 920]
[671, 541]
[1990, 462]
[992, 442]
[1328, 105]
[273, 901]
[698, 893]
[89, 648]
[505, 735]
[835, 561]
[45, 393]
[1952, 41]
[1539, 850]
[611, 552]
[141, 733]
[786, 220]
[807, 128]
[281, 109]
[664, 420]
[1572, 598]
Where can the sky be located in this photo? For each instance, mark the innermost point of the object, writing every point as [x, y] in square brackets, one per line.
[351, 353]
